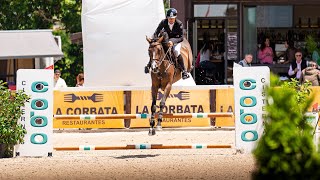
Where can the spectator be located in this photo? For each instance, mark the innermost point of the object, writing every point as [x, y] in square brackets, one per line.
[265, 53]
[198, 60]
[297, 66]
[58, 81]
[289, 55]
[80, 80]
[246, 62]
[205, 54]
[311, 74]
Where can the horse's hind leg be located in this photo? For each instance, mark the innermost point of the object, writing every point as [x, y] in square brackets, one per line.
[162, 104]
[153, 111]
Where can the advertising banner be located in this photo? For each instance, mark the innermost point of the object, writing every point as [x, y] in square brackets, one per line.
[313, 119]
[88, 102]
[179, 101]
[225, 103]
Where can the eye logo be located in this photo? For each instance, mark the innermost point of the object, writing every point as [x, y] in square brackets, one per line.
[71, 98]
[182, 95]
[248, 84]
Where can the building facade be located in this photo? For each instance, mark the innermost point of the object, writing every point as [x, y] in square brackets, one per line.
[235, 28]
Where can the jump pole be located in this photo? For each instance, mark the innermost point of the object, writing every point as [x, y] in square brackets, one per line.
[139, 146]
[142, 116]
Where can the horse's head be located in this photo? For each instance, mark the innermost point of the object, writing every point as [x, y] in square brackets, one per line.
[156, 53]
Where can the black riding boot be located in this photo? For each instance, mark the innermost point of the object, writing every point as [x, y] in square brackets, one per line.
[147, 67]
[185, 75]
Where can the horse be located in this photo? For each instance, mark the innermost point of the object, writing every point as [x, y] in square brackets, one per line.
[164, 73]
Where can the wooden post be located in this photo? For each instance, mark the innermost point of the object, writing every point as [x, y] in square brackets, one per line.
[127, 108]
[213, 99]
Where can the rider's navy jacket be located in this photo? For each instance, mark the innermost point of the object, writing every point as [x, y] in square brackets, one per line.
[176, 35]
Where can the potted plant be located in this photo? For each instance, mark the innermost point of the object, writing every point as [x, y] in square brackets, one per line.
[11, 132]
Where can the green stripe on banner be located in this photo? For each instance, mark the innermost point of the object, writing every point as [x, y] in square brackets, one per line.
[87, 148]
[199, 115]
[144, 116]
[198, 146]
[143, 146]
[86, 117]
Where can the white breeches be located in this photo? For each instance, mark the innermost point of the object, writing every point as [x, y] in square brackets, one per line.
[176, 49]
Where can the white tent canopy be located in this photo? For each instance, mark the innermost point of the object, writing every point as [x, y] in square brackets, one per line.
[114, 43]
[24, 44]
[115, 49]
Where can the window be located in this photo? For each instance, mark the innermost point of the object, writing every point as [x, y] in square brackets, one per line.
[274, 16]
[215, 10]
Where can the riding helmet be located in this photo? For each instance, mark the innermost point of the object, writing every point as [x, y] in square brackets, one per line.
[172, 13]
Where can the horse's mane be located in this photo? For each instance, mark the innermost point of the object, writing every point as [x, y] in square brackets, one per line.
[164, 43]
[162, 34]
[165, 40]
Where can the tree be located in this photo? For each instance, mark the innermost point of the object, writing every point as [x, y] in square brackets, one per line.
[39, 14]
[30, 14]
[72, 63]
[166, 4]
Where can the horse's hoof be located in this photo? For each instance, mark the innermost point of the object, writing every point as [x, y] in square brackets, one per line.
[152, 132]
[159, 128]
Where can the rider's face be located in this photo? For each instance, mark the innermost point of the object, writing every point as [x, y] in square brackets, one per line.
[171, 20]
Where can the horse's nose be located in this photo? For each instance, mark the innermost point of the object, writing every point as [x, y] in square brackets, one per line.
[153, 66]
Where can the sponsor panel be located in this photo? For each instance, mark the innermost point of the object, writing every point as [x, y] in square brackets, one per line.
[37, 117]
[250, 103]
[315, 105]
[313, 119]
[316, 102]
[88, 102]
[179, 101]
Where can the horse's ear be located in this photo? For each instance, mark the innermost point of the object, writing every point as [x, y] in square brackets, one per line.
[148, 39]
[160, 39]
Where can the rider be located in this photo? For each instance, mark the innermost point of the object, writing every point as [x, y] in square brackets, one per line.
[174, 28]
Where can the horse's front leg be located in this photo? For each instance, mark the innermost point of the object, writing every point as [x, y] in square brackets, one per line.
[154, 92]
[162, 104]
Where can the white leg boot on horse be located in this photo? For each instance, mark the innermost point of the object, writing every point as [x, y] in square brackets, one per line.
[185, 75]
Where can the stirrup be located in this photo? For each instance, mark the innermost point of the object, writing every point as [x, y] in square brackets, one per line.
[185, 75]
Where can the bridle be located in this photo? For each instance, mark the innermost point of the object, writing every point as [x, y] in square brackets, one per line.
[161, 58]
